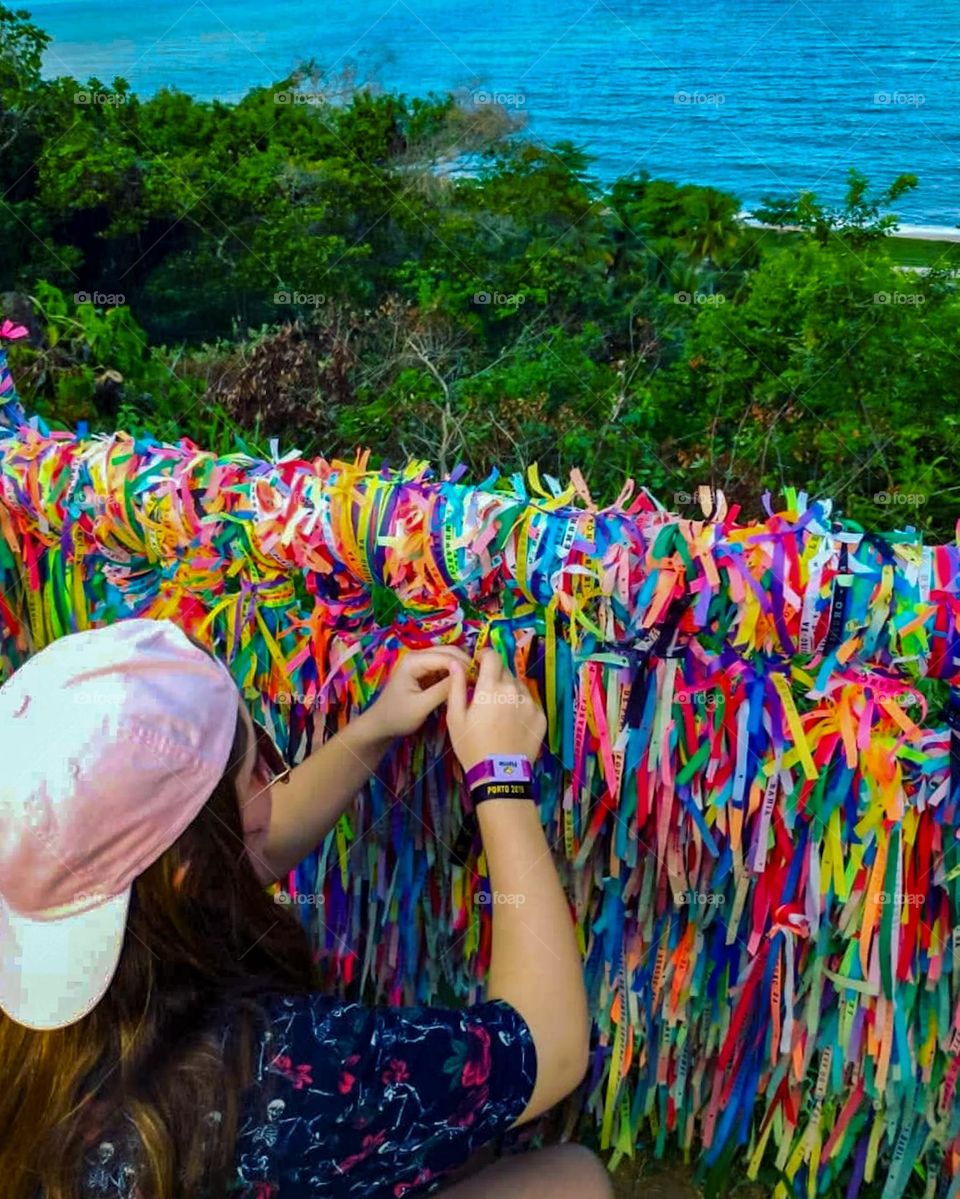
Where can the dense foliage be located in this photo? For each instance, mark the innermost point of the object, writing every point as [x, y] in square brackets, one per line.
[339, 268]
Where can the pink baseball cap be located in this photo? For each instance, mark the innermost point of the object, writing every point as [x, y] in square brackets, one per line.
[112, 739]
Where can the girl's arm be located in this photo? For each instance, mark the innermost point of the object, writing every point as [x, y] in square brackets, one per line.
[319, 791]
[535, 963]
[323, 785]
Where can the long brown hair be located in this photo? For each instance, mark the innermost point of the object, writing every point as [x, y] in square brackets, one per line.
[203, 939]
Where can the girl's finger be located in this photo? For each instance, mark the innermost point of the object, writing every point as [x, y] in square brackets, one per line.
[491, 670]
[457, 694]
[422, 662]
[455, 650]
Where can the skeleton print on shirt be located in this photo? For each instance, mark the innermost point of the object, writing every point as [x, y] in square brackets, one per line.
[352, 1101]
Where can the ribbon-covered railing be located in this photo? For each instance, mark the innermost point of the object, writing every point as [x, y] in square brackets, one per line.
[751, 779]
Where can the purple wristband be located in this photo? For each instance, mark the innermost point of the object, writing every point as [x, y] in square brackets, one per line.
[500, 768]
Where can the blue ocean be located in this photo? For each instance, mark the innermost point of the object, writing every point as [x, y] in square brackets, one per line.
[759, 97]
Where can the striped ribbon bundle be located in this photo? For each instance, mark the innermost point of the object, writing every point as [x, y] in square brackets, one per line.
[752, 772]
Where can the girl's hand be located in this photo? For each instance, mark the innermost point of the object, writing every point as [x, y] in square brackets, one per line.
[418, 684]
[501, 718]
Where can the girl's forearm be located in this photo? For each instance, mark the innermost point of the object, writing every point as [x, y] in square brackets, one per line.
[535, 962]
[320, 789]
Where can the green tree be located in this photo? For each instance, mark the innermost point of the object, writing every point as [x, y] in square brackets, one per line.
[859, 220]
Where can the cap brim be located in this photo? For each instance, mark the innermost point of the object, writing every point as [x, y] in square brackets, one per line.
[53, 972]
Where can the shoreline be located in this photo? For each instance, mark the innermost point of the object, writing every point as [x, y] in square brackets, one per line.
[928, 232]
[947, 233]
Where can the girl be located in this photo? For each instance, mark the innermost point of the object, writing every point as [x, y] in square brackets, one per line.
[162, 1034]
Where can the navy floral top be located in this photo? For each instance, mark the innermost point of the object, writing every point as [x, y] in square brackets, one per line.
[348, 1100]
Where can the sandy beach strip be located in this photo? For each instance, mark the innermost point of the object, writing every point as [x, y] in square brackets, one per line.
[928, 232]
[915, 232]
